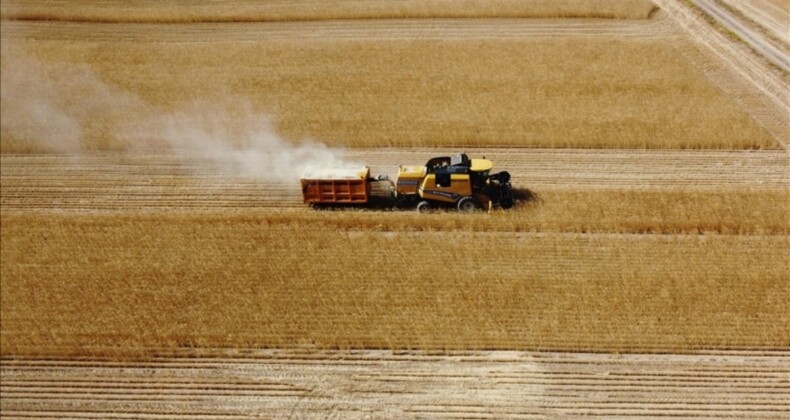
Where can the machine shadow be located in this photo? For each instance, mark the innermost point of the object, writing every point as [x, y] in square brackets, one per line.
[522, 197]
[525, 196]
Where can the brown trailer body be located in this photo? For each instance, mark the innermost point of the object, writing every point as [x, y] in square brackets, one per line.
[333, 187]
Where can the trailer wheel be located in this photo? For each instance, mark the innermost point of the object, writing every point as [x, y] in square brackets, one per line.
[468, 204]
[425, 207]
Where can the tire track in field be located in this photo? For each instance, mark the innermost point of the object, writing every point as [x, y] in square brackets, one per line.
[773, 16]
[129, 181]
[359, 384]
[755, 39]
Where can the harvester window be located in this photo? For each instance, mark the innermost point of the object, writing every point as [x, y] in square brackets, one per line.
[443, 180]
[459, 160]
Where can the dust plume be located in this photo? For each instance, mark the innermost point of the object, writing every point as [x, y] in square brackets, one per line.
[56, 107]
[234, 135]
[52, 107]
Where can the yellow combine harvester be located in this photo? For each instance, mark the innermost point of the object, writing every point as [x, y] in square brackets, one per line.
[451, 181]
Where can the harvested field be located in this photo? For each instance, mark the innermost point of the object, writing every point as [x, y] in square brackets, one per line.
[530, 88]
[170, 11]
[365, 384]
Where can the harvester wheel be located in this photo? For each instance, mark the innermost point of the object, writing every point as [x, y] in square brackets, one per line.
[468, 204]
[424, 207]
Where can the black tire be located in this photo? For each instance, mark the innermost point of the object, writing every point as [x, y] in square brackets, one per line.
[425, 207]
[468, 204]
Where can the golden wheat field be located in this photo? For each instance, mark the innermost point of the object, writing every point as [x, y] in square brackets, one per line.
[157, 260]
[373, 84]
[116, 284]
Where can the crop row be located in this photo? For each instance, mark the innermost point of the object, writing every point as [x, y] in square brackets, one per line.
[423, 89]
[76, 284]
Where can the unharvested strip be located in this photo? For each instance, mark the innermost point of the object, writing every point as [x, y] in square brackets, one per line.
[98, 284]
[427, 88]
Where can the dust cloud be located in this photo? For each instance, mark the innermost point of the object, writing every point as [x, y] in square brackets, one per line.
[39, 108]
[234, 135]
[60, 107]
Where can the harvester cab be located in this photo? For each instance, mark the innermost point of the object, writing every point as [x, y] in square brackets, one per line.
[458, 181]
